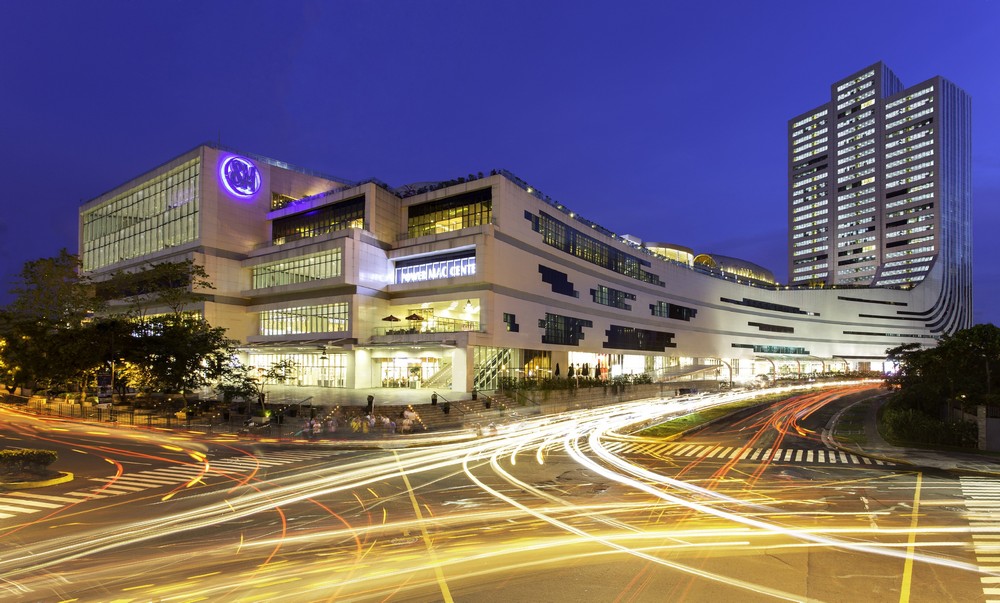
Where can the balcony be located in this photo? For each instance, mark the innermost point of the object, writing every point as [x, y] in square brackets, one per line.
[441, 330]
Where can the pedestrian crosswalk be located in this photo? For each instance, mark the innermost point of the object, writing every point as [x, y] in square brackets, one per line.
[27, 503]
[740, 453]
[982, 503]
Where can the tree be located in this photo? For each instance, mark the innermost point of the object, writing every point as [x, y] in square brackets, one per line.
[50, 291]
[171, 285]
[113, 337]
[975, 351]
[22, 352]
[50, 337]
[960, 369]
[250, 383]
[179, 353]
[45, 328]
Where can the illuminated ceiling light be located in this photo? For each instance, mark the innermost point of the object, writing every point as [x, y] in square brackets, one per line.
[468, 306]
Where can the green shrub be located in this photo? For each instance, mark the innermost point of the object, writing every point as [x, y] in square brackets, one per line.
[25, 459]
[912, 425]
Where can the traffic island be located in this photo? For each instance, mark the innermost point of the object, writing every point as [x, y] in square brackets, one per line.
[26, 482]
[22, 468]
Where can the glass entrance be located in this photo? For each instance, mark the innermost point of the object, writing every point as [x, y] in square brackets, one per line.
[406, 372]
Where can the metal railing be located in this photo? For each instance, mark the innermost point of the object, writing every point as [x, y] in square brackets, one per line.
[439, 325]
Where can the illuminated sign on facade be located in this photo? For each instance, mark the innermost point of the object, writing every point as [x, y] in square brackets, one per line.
[436, 270]
[240, 176]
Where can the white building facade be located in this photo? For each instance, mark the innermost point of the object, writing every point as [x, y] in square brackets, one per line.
[459, 285]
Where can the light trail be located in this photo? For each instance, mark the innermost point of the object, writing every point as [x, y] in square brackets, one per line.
[505, 522]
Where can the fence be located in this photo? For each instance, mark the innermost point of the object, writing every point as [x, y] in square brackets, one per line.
[216, 421]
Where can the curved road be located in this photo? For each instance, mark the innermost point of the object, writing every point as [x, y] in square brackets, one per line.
[555, 508]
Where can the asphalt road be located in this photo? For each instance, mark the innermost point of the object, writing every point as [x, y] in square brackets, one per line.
[558, 508]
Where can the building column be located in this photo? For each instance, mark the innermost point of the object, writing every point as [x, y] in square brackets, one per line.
[461, 370]
[359, 369]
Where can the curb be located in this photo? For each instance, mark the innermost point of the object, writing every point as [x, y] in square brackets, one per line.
[65, 477]
[829, 437]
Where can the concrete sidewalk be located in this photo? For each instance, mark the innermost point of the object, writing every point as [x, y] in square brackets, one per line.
[875, 447]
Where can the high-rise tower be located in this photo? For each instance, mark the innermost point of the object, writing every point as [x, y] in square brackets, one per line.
[880, 185]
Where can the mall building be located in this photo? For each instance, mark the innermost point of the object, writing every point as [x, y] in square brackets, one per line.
[457, 285]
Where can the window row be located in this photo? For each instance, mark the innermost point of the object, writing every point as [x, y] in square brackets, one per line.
[452, 213]
[349, 213]
[326, 318]
[563, 330]
[644, 340]
[668, 310]
[606, 296]
[569, 240]
[327, 370]
[159, 213]
[299, 270]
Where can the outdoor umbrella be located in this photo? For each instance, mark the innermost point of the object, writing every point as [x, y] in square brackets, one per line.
[414, 317]
[391, 318]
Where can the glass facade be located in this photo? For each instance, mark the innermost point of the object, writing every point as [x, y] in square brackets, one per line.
[566, 238]
[606, 296]
[349, 213]
[159, 213]
[891, 152]
[314, 267]
[493, 365]
[326, 318]
[406, 371]
[563, 330]
[629, 338]
[669, 310]
[279, 201]
[452, 213]
[327, 370]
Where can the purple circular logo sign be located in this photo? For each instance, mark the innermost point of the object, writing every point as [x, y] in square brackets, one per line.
[240, 176]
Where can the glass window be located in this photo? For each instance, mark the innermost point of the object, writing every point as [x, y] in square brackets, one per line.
[628, 338]
[349, 213]
[563, 330]
[299, 270]
[451, 213]
[326, 318]
[574, 242]
[322, 370]
[159, 213]
[669, 310]
[606, 296]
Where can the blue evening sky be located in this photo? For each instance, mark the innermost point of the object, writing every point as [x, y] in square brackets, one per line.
[660, 119]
